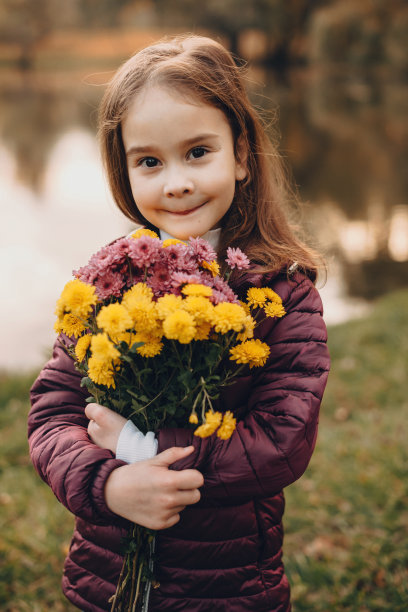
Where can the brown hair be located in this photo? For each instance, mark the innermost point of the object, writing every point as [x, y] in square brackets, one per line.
[258, 220]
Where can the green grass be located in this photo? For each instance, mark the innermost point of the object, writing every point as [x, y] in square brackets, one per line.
[346, 522]
[346, 545]
[35, 529]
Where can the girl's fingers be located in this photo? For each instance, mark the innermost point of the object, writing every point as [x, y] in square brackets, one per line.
[171, 455]
[93, 411]
[104, 416]
[189, 479]
[186, 498]
[177, 510]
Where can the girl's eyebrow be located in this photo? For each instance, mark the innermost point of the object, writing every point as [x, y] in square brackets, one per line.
[188, 142]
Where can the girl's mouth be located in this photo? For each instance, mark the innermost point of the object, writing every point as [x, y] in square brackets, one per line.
[183, 213]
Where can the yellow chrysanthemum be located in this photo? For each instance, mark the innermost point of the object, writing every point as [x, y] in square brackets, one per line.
[60, 308]
[169, 241]
[143, 313]
[144, 232]
[58, 326]
[274, 309]
[252, 352]
[227, 427]
[114, 319]
[167, 304]
[246, 307]
[248, 330]
[256, 297]
[103, 349]
[197, 289]
[150, 349]
[228, 317]
[77, 298]
[199, 307]
[82, 346]
[101, 372]
[179, 325]
[212, 266]
[153, 334]
[126, 336]
[202, 331]
[70, 325]
[193, 418]
[272, 295]
[211, 424]
[138, 290]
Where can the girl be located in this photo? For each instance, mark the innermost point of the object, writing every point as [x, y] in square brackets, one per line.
[186, 155]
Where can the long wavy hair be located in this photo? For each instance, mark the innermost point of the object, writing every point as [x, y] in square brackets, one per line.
[259, 220]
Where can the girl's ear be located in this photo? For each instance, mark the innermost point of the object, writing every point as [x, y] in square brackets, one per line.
[241, 171]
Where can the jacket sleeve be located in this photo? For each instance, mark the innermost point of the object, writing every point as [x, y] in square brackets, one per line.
[273, 443]
[60, 448]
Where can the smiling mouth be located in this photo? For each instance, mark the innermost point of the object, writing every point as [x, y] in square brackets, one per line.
[183, 213]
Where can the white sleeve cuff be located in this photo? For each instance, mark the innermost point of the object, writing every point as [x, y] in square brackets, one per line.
[134, 446]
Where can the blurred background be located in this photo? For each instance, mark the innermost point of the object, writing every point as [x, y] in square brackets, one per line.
[332, 77]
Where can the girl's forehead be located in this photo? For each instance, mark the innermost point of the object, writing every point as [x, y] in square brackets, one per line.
[162, 111]
[165, 92]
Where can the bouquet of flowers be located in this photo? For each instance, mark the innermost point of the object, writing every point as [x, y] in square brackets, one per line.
[155, 330]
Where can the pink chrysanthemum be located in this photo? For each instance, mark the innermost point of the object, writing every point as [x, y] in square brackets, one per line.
[190, 264]
[144, 251]
[109, 284]
[120, 250]
[218, 296]
[87, 274]
[175, 256]
[103, 259]
[223, 287]
[202, 249]
[160, 280]
[237, 259]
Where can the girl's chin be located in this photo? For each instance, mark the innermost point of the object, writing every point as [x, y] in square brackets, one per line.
[184, 233]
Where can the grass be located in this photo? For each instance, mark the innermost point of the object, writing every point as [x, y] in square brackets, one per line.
[346, 522]
[346, 545]
[35, 529]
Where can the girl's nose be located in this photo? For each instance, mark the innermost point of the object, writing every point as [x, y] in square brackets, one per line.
[178, 185]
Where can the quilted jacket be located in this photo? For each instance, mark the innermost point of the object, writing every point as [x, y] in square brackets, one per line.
[225, 554]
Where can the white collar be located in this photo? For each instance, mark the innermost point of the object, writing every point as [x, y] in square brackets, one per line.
[212, 236]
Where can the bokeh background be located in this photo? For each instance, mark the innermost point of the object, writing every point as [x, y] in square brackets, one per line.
[331, 76]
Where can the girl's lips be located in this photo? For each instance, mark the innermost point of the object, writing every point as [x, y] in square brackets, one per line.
[186, 212]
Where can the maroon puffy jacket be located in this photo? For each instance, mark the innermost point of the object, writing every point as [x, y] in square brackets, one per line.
[225, 554]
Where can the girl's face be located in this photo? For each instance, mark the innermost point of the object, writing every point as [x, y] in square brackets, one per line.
[181, 162]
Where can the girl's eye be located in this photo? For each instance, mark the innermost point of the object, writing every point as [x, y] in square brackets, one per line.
[198, 152]
[148, 162]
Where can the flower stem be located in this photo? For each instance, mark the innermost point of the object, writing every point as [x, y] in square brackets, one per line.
[119, 587]
[137, 587]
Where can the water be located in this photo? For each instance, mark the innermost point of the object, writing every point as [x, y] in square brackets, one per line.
[345, 138]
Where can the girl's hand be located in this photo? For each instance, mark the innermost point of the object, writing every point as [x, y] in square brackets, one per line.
[149, 494]
[104, 426]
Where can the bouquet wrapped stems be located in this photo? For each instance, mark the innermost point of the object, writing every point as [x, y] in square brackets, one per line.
[136, 576]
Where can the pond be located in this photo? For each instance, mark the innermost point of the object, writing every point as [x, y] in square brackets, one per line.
[345, 137]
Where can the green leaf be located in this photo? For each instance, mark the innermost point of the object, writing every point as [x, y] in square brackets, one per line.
[119, 405]
[171, 409]
[135, 395]
[86, 382]
[186, 378]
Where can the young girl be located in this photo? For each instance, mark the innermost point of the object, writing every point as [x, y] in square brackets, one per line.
[186, 155]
